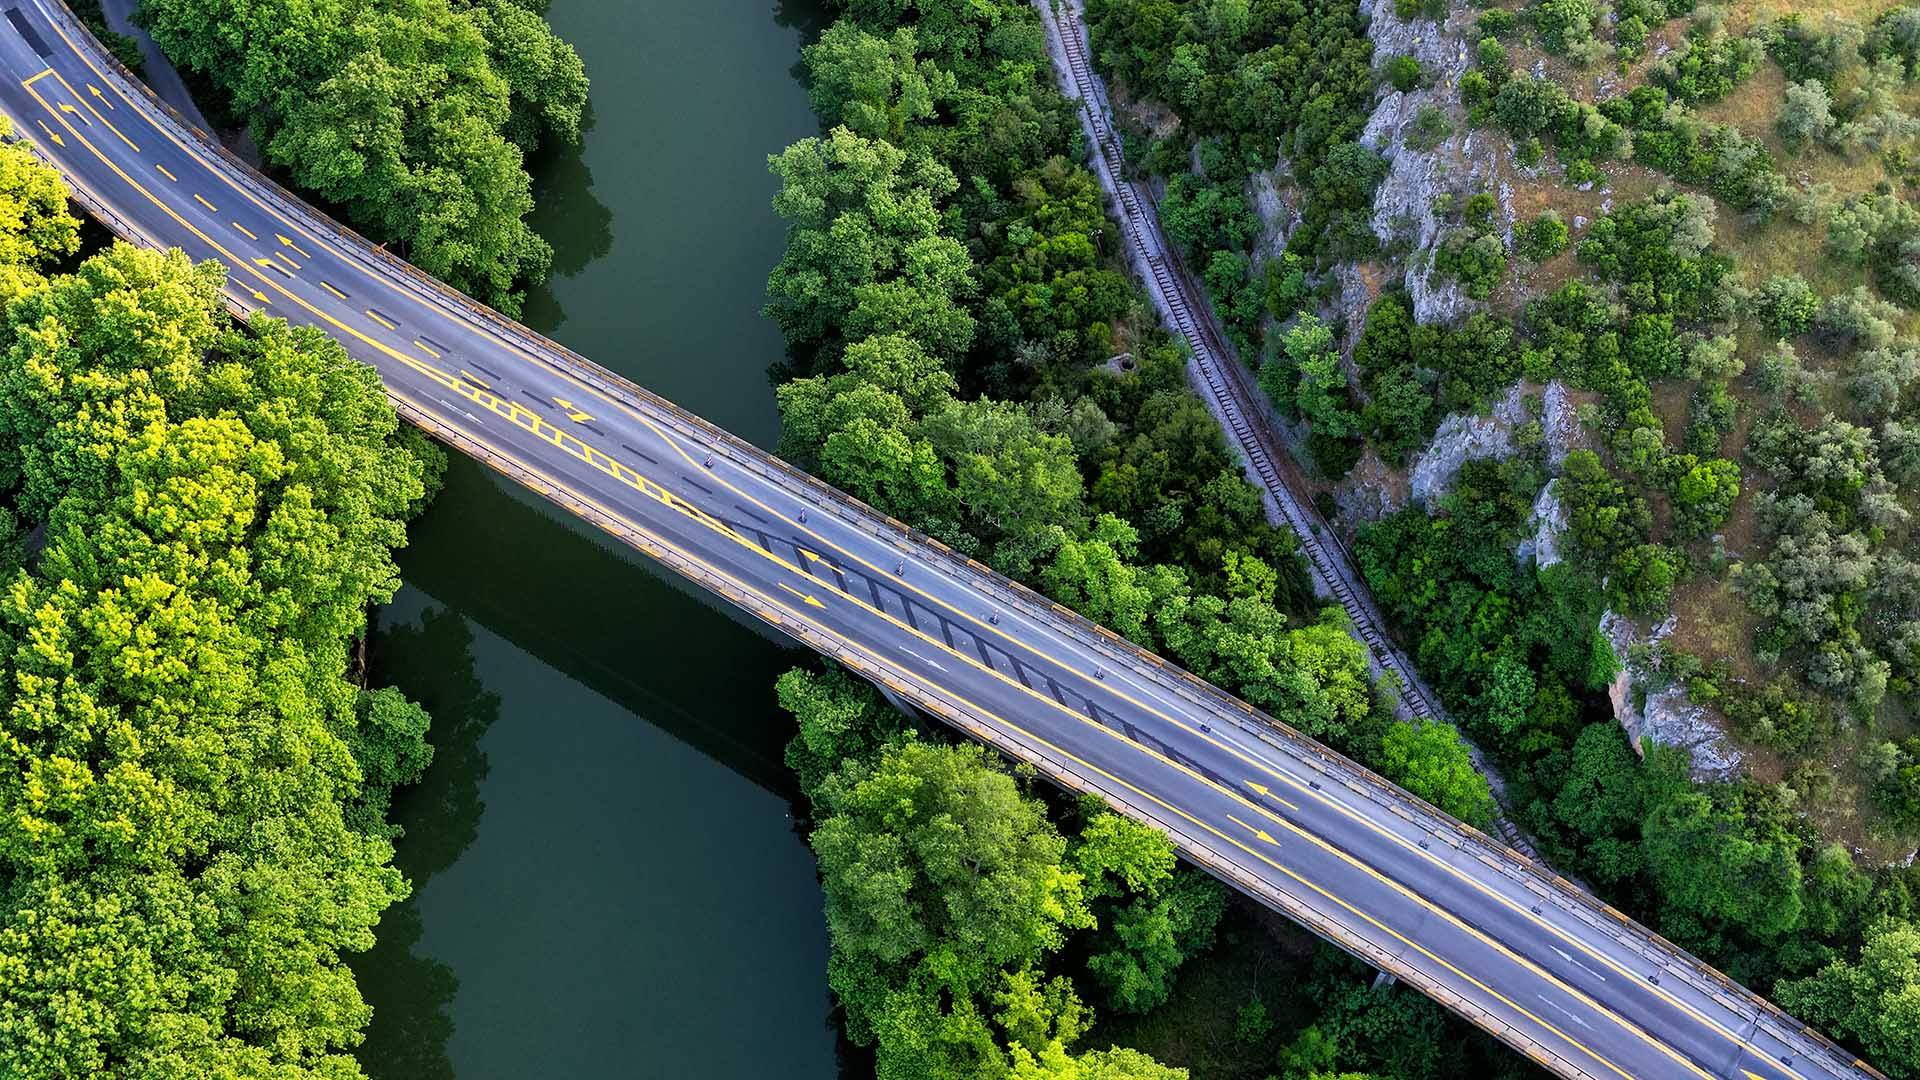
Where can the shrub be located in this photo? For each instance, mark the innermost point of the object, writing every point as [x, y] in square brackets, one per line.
[1544, 237]
[1786, 304]
[1806, 115]
[1403, 72]
[1429, 129]
[1706, 65]
[1566, 26]
[1496, 23]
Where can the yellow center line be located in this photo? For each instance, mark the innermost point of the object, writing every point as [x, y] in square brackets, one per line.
[164, 171]
[192, 155]
[202, 200]
[1256, 762]
[244, 231]
[574, 447]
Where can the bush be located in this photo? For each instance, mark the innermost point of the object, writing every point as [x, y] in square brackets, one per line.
[1496, 23]
[1429, 129]
[1806, 115]
[1403, 72]
[1566, 26]
[1544, 237]
[1785, 304]
[1706, 65]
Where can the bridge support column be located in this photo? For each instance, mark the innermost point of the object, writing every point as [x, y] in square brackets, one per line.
[1384, 979]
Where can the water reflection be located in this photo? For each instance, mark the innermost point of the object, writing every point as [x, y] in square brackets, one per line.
[411, 993]
[570, 216]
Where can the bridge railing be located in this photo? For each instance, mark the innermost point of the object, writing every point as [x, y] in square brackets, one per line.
[1280, 735]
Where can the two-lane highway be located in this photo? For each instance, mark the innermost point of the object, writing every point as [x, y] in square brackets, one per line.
[1546, 967]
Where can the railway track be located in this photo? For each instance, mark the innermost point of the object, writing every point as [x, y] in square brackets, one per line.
[1227, 384]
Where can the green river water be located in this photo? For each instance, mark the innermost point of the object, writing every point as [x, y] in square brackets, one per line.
[608, 880]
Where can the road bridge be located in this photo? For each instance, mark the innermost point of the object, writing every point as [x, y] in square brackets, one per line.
[1546, 967]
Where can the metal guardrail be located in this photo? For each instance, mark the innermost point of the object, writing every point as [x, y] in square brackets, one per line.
[907, 539]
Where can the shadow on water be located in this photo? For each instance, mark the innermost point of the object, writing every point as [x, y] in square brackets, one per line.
[809, 18]
[608, 618]
[411, 993]
[570, 216]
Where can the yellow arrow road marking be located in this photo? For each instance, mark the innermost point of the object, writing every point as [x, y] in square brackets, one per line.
[95, 91]
[284, 242]
[1261, 833]
[66, 108]
[801, 595]
[135, 147]
[1267, 792]
[574, 414]
[52, 134]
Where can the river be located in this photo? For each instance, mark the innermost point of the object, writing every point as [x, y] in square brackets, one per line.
[608, 881]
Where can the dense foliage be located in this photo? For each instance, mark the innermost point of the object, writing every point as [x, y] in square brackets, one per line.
[1271, 85]
[413, 115]
[950, 894]
[192, 794]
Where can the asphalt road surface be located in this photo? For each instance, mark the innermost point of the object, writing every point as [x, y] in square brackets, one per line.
[1543, 965]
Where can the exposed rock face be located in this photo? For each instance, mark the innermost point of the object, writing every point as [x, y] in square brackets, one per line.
[1560, 422]
[1668, 716]
[1460, 439]
[1277, 219]
[1549, 522]
[1403, 207]
[1370, 491]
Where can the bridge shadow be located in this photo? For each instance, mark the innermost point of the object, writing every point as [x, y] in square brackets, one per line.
[608, 618]
[487, 556]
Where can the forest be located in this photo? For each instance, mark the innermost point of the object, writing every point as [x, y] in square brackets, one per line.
[413, 118]
[1671, 248]
[1684, 261]
[195, 778]
[967, 354]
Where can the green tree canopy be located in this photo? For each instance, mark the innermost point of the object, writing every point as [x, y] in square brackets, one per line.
[190, 790]
[413, 114]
